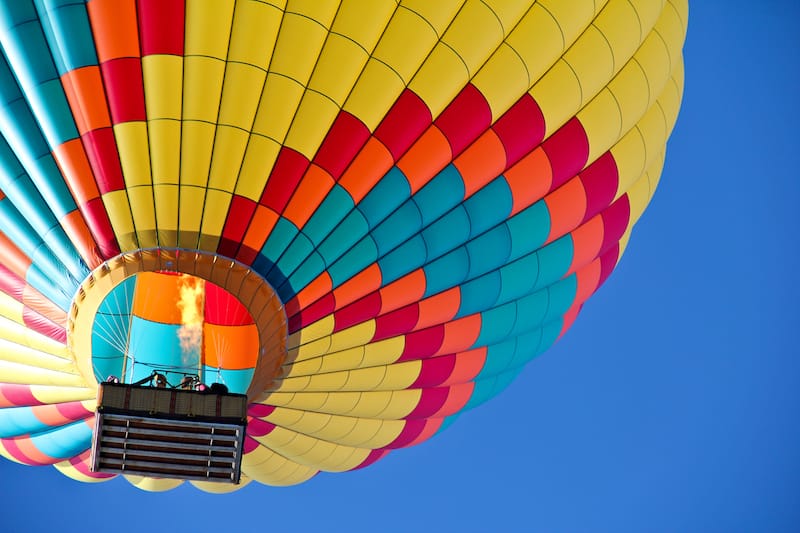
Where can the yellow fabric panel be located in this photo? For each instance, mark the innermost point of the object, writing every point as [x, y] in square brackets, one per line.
[278, 105]
[558, 94]
[647, 11]
[332, 362]
[16, 332]
[166, 197]
[208, 26]
[317, 330]
[66, 468]
[363, 22]
[631, 91]
[29, 375]
[310, 451]
[315, 114]
[311, 349]
[407, 40]
[213, 487]
[241, 94]
[602, 122]
[640, 193]
[11, 308]
[653, 59]
[384, 352]
[51, 395]
[13, 352]
[259, 158]
[437, 14]
[215, 212]
[538, 41]
[229, 146]
[151, 484]
[134, 152]
[442, 64]
[267, 467]
[353, 336]
[616, 23]
[298, 46]
[165, 150]
[191, 212]
[502, 80]
[672, 28]
[202, 87]
[163, 85]
[374, 93]
[631, 159]
[143, 210]
[346, 430]
[592, 61]
[197, 142]
[119, 213]
[340, 63]
[255, 25]
[574, 16]
[378, 404]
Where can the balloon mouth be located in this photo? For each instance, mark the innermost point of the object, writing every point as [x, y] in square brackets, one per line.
[182, 313]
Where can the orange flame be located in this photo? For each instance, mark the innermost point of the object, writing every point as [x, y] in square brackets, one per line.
[190, 304]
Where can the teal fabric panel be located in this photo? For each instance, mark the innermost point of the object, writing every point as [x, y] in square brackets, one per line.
[448, 271]
[237, 381]
[447, 233]
[479, 294]
[345, 236]
[498, 358]
[312, 267]
[15, 421]
[529, 229]
[554, 261]
[295, 254]
[66, 27]
[389, 193]
[489, 251]
[562, 295]
[156, 346]
[518, 278]
[65, 441]
[17, 12]
[496, 324]
[363, 253]
[489, 206]
[59, 293]
[404, 259]
[442, 193]
[405, 222]
[531, 312]
[331, 211]
[282, 234]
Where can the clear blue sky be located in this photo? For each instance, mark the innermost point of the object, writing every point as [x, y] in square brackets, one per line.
[673, 404]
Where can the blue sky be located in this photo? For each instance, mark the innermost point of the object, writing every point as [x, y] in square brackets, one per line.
[671, 405]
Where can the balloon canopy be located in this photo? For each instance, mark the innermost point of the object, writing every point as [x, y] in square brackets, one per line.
[367, 216]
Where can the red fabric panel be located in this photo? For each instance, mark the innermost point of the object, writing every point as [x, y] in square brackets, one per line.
[411, 431]
[240, 214]
[124, 89]
[101, 150]
[18, 395]
[608, 261]
[600, 181]
[97, 219]
[223, 309]
[161, 26]
[357, 312]
[258, 428]
[421, 344]
[321, 308]
[374, 456]
[289, 169]
[567, 149]
[404, 123]
[430, 403]
[259, 410]
[40, 324]
[435, 371]
[11, 284]
[397, 322]
[467, 116]
[615, 222]
[520, 129]
[341, 144]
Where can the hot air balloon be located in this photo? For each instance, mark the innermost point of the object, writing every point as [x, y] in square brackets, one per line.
[363, 217]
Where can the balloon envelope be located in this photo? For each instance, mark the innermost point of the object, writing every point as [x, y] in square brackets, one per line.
[368, 216]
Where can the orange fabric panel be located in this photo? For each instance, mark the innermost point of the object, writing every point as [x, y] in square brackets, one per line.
[457, 398]
[75, 226]
[569, 318]
[460, 334]
[264, 219]
[115, 29]
[31, 452]
[439, 308]
[468, 365]
[87, 98]
[567, 206]
[403, 291]
[319, 287]
[481, 162]
[309, 194]
[36, 301]
[430, 154]
[372, 162]
[588, 278]
[587, 240]
[432, 425]
[50, 415]
[230, 347]
[363, 283]
[157, 295]
[529, 180]
[13, 258]
[72, 161]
